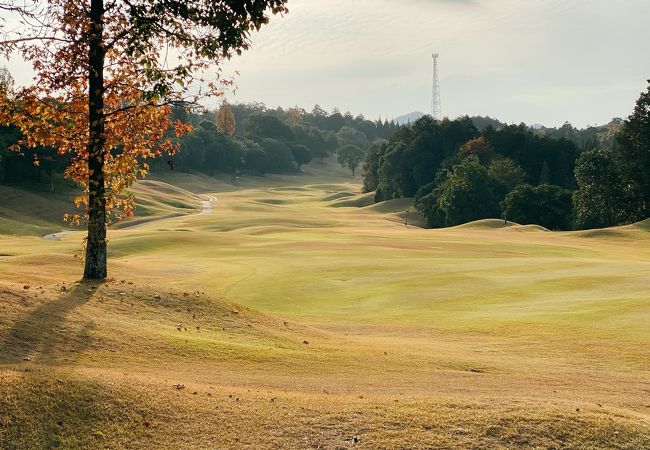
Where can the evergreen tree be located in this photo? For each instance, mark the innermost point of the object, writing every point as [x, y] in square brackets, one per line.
[634, 141]
[600, 200]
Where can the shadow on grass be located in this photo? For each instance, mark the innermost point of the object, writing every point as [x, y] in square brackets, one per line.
[46, 334]
[56, 410]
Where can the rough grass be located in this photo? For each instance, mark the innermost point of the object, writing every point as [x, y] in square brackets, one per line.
[292, 324]
[130, 412]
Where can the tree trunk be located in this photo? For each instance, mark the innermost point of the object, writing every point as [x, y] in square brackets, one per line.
[95, 267]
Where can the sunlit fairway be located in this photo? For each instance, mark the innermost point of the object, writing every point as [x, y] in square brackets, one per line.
[298, 315]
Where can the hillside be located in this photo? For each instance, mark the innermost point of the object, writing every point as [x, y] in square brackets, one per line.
[408, 118]
[287, 318]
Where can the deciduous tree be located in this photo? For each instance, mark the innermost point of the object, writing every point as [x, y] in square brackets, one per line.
[349, 135]
[506, 172]
[301, 154]
[106, 72]
[260, 126]
[468, 193]
[225, 119]
[371, 165]
[546, 205]
[634, 141]
[480, 148]
[350, 156]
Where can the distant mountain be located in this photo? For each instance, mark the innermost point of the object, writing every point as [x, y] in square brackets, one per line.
[410, 117]
[480, 122]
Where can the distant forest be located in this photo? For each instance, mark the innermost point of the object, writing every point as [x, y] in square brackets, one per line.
[235, 139]
[561, 178]
[250, 138]
[457, 170]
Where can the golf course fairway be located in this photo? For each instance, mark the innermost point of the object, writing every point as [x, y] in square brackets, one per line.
[294, 313]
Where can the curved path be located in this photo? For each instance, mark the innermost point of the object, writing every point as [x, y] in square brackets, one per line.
[206, 205]
[206, 208]
[56, 236]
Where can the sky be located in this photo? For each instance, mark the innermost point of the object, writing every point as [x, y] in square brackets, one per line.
[532, 61]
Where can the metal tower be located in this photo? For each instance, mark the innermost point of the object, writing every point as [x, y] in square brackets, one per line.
[436, 110]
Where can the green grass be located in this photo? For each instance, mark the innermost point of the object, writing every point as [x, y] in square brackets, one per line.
[326, 324]
[34, 211]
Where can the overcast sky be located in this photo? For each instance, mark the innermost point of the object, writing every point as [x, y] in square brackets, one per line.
[533, 61]
[545, 61]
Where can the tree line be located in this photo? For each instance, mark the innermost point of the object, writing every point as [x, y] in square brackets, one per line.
[457, 170]
[560, 178]
[253, 139]
[234, 139]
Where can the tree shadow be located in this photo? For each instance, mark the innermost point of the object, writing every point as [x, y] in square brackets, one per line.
[46, 335]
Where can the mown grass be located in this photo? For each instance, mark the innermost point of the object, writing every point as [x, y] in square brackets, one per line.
[296, 322]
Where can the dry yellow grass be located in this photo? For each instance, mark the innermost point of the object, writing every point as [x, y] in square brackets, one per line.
[292, 323]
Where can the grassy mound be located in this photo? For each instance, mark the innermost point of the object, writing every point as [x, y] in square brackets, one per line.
[485, 224]
[357, 201]
[38, 212]
[26, 211]
[642, 225]
[98, 322]
[398, 205]
[626, 232]
[337, 196]
[274, 201]
[159, 368]
[530, 227]
[299, 325]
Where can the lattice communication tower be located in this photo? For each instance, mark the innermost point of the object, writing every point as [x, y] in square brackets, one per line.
[436, 110]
